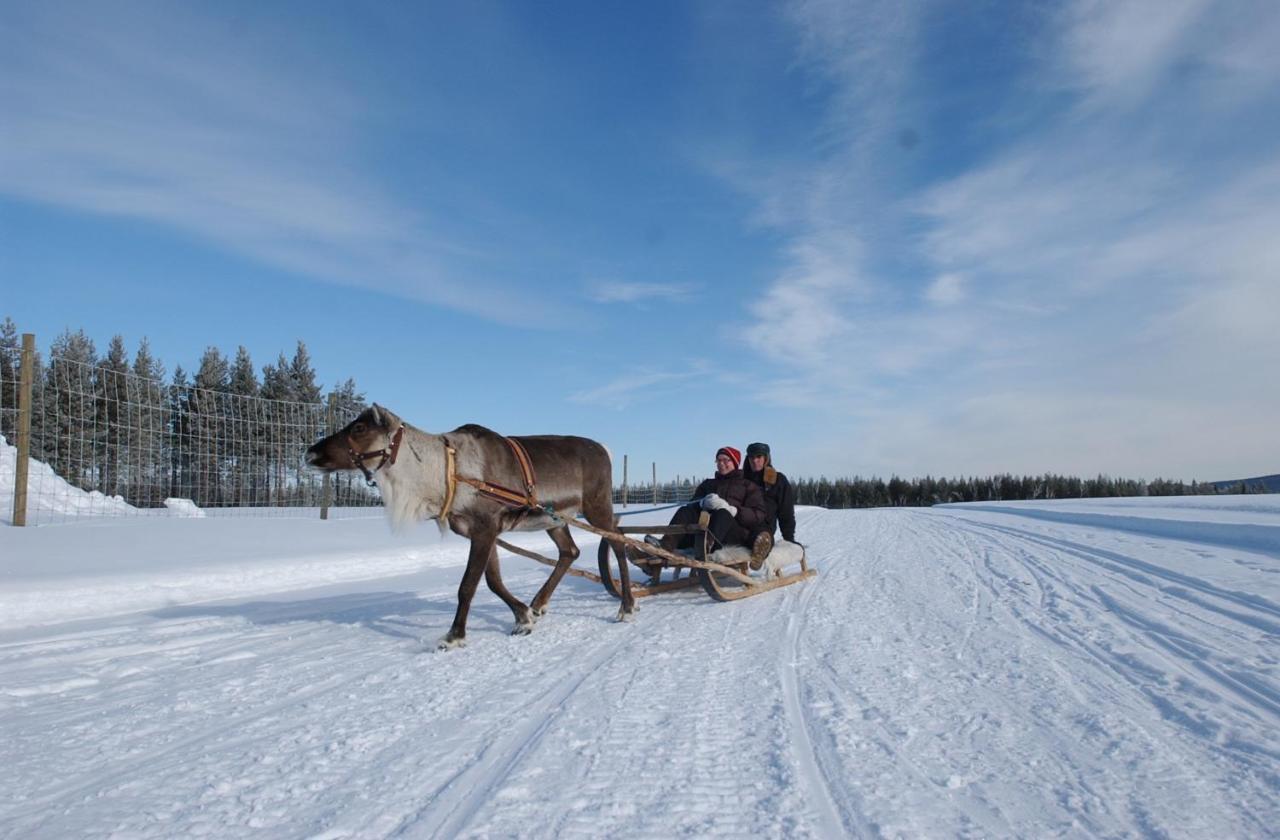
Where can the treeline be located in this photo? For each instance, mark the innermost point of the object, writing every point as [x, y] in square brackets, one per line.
[860, 492]
[224, 435]
[923, 492]
[221, 435]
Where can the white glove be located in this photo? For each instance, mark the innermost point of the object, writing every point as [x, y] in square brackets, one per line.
[712, 501]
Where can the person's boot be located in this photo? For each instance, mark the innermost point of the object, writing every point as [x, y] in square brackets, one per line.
[760, 549]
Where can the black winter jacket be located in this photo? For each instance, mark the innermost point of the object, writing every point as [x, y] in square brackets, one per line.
[740, 493]
[779, 500]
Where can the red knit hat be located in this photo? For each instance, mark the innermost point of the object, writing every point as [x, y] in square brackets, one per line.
[734, 455]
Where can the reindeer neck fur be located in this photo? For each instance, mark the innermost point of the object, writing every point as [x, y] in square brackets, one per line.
[413, 488]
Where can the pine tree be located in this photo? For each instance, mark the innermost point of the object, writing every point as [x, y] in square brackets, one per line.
[148, 420]
[180, 444]
[347, 403]
[70, 438]
[243, 381]
[276, 385]
[112, 397]
[10, 368]
[208, 425]
[244, 449]
[302, 376]
[146, 365]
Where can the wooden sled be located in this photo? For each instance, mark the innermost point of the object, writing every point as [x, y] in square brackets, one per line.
[725, 574]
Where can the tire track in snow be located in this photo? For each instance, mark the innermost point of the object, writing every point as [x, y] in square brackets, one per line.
[831, 823]
[1258, 699]
[1255, 693]
[156, 644]
[1136, 569]
[449, 810]
[96, 778]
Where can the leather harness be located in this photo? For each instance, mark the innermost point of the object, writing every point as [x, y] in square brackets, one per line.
[388, 456]
[504, 495]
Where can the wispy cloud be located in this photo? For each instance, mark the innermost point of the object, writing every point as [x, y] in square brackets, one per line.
[1067, 267]
[1118, 55]
[1117, 52]
[606, 291]
[161, 115]
[945, 290]
[624, 390]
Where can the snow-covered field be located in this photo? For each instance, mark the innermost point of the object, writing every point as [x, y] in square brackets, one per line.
[1050, 669]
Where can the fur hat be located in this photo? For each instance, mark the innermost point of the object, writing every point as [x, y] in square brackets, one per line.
[734, 455]
[758, 449]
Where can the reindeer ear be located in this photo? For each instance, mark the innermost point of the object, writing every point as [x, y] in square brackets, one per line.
[377, 415]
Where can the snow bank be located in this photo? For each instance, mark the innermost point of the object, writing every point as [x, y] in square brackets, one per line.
[184, 508]
[49, 496]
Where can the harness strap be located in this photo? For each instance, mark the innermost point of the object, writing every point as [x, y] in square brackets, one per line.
[499, 493]
[488, 489]
[450, 481]
[526, 469]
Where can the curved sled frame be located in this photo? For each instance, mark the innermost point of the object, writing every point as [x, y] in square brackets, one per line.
[723, 582]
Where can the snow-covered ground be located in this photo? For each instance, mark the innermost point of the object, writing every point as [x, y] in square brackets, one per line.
[1017, 669]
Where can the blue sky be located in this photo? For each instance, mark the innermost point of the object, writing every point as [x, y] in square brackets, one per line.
[884, 237]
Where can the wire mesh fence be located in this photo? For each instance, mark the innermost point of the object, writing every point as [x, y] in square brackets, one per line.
[106, 442]
[663, 493]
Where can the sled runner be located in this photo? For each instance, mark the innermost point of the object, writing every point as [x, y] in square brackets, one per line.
[725, 573]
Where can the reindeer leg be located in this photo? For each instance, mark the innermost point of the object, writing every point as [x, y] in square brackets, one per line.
[606, 519]
[598, 509]
[482, 546]
[568, 553]
[627, 611]
[524, 616]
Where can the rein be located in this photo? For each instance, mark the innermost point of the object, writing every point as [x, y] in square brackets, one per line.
[504, 495]
[388, 456]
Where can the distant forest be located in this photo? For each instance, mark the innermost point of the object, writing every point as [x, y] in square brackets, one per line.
[100, 426]
[923, 492]
[861, 492]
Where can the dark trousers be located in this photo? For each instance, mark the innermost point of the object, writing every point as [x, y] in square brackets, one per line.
[723, 527]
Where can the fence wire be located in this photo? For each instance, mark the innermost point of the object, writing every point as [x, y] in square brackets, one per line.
[106, 442]
[110, 443]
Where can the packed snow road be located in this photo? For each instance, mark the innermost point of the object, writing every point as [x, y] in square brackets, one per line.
[950, 672]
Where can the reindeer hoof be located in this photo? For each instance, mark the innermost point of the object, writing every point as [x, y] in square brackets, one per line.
[522, 629]
[627, 615]
[449, 644]
[537, 612]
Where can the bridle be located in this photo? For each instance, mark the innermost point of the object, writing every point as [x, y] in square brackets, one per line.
[388, 456]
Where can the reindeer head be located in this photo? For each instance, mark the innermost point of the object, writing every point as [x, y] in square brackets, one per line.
[373, 430]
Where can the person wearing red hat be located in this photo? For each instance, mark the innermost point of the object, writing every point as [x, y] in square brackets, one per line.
[736, 506]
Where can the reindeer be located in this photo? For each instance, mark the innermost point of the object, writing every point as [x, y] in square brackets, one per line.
[462, 479]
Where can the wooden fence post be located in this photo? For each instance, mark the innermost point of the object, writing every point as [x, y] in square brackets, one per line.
[624, 480]
[326, 493]
[655, 482]
[23, 466]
